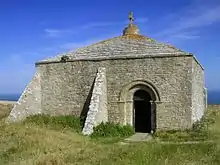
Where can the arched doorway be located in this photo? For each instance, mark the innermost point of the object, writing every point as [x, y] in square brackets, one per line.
[142, 115]
[128, 103]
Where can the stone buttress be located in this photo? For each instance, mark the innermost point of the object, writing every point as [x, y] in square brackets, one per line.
[29, 102]
[98, 105]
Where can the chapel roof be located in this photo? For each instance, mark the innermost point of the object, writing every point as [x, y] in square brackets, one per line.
[129, 44]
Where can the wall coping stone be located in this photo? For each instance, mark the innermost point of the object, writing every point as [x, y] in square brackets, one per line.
[127, 57]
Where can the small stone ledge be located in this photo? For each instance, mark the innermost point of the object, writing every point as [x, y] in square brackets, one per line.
[131, 101]
[116, 58]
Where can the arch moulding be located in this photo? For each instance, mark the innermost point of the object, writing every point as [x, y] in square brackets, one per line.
[126, 97]
[133, 86]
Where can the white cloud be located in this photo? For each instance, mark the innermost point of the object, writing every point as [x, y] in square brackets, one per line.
[78, 44]
[192, 35]
[193, 17]
[16, 73]
[186, 37]
[57, 32]
[141, 20]
[53, 32]
[72, 45]
[75, 45]
[97, 25]
[106, 24]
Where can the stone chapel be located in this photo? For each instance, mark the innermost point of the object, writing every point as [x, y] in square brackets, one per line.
[129, 79]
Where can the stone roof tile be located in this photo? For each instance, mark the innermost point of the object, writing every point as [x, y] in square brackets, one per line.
[132, 45]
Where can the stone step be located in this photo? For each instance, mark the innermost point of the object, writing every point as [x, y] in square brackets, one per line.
[139, 137]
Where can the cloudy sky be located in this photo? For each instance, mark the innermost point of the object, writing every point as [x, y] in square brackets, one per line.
[32, 30]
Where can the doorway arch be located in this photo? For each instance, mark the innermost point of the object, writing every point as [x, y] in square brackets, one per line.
[129, 95]
[142, 111]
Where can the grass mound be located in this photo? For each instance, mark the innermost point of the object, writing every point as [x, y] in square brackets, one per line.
[56, 122]
[75, 124]
[112, 130]
[5, 108]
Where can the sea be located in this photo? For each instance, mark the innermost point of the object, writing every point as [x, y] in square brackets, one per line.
[9, 97]
[213, 97]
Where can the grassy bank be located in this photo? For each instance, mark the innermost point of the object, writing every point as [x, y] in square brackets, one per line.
[5, 108]
[51, 144]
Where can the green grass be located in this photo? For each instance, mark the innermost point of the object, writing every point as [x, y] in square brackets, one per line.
[5, 108]
[70, 123]
[201, 130]
[49, 142]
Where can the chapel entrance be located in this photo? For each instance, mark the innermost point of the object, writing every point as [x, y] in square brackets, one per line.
[142, 111]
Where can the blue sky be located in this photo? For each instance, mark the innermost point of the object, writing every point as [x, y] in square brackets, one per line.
[32, 30]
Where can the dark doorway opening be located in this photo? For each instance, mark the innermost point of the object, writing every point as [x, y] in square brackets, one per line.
[142, 111]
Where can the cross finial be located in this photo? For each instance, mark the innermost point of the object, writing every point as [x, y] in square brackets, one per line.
[131, 17]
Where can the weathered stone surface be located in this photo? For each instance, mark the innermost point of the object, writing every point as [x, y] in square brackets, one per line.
[206, 97]
[127, 46]
[66, 87]
[199, 95]
[98, 105]
[29, 102]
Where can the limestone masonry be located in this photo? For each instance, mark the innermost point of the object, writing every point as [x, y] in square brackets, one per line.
[129, 79]
[98, 104]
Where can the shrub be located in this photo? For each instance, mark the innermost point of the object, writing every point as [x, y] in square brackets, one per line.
[64, 58]
[112, 130]
[57, 122]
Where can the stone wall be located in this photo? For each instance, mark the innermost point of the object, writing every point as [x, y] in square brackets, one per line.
[29, 102]
[66, 86]
[98, 105]
[206, 97]
[198, 92]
